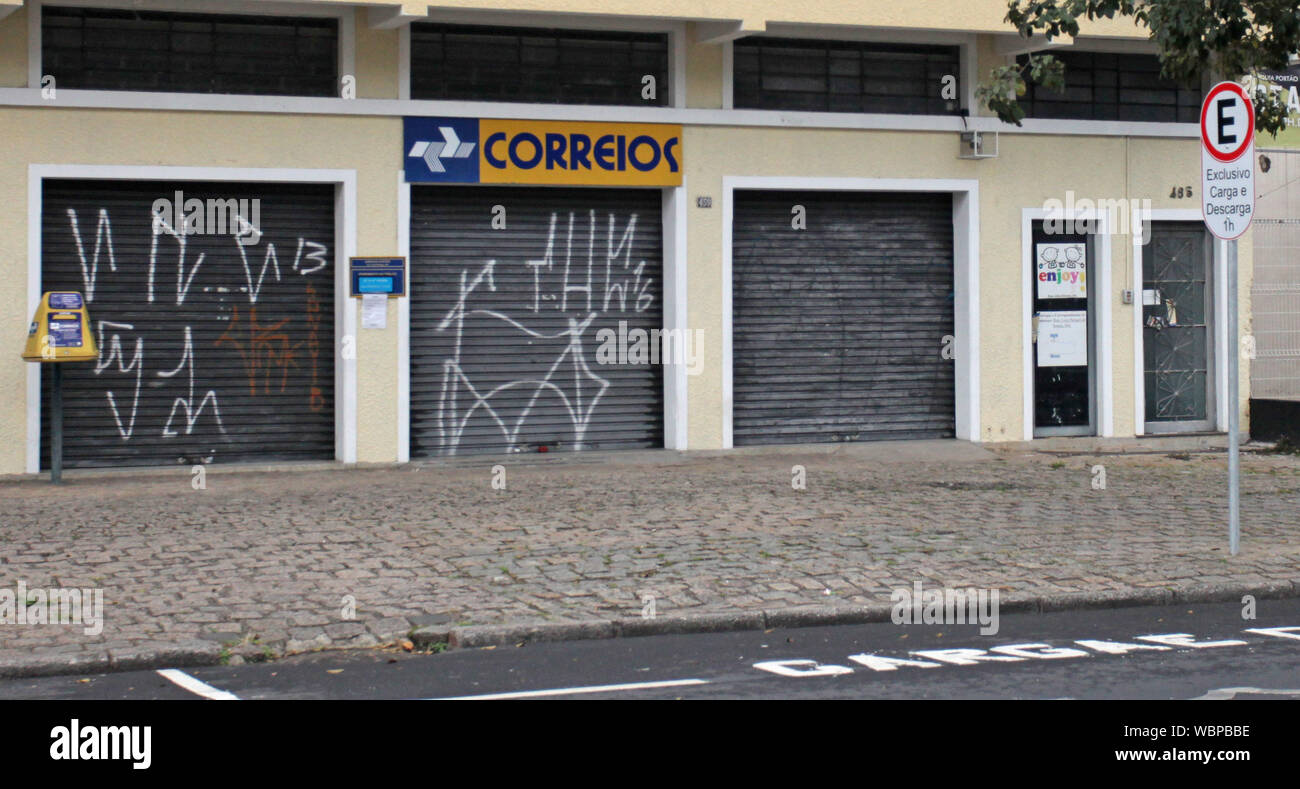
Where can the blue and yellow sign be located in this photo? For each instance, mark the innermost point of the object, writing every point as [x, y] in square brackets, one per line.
[60, 330]
[572, 153]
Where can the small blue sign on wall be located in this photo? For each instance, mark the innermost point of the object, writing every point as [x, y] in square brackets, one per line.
[378, 275]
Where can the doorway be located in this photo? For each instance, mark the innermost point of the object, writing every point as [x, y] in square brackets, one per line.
[1177, 306]
[1064, 327]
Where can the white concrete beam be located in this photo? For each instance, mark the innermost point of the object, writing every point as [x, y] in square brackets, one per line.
[398, 15]
[1019, 45]
[722, 32]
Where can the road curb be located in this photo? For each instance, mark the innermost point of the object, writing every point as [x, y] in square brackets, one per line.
[145, 658]
[197, 652]
[478, 636]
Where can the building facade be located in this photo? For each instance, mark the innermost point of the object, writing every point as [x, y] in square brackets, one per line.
[652, 224]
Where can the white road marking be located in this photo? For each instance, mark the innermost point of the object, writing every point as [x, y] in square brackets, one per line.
[197, 686]
[1219, 694]
[532, 694]
[1160, 642]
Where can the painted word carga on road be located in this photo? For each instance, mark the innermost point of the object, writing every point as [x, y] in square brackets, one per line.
[1013, 653]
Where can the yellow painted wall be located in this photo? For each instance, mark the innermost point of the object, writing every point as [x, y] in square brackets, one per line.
[971, 15]
[376, 61]
[13, 50]
[1030, 170]
[703, 72]
[55, 136]
[59, 136]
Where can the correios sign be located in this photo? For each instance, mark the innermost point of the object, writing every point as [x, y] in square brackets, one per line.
[494, 151]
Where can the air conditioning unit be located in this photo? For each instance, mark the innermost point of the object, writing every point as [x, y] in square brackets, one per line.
[978, 145]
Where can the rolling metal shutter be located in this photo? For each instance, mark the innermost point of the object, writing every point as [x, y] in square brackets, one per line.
[503, 357]
[838, 329]
[213, 352]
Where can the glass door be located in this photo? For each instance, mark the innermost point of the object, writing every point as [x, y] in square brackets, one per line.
[1063, 312]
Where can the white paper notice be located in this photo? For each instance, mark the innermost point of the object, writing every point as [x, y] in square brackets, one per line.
[1062, 271]
[1063, 338]
[374, 311]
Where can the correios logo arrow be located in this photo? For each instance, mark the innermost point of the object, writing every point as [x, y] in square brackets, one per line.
[450, 147]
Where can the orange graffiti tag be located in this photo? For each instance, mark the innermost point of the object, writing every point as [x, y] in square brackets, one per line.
[317, 398]
[261, 348]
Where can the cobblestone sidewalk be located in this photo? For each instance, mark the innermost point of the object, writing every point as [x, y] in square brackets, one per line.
[266, 563]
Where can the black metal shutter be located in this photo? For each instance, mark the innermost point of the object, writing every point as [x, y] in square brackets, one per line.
[539, 393]
[838, 329]
[259, 346]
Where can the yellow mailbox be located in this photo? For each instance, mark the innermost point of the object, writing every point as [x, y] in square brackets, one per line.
[60, 330]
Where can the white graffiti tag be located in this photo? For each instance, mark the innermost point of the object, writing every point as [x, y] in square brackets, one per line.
[183, 281]
[555, 287]
[452, 420]
[103, 232]
[191, 413]
[114, 347]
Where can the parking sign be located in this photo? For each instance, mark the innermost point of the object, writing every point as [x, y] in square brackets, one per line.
[1227, 160]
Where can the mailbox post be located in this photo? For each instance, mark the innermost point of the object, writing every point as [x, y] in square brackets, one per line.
[59, 333]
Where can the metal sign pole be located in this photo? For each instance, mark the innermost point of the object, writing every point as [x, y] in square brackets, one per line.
[1227, 206]
[56, 424]
[1234, 408]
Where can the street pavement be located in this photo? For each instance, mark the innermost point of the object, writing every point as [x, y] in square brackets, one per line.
[258, 565]
[1158, 652]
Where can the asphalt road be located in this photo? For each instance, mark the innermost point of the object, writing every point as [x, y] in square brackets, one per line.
[794, 663]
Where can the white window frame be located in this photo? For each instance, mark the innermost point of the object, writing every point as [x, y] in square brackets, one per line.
[966, 279]
[1120, 47]
[968, 66]
[345, 247]
[346, 57]
[676, 32]
[677, 113]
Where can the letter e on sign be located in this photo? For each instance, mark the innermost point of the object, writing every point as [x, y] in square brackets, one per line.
[1227, 160]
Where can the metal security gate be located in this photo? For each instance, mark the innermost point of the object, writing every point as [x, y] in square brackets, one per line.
[211, 350]
[1178, 328]
[1275, 299]
[1275, 310]
[839, 329]
[532, 312]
